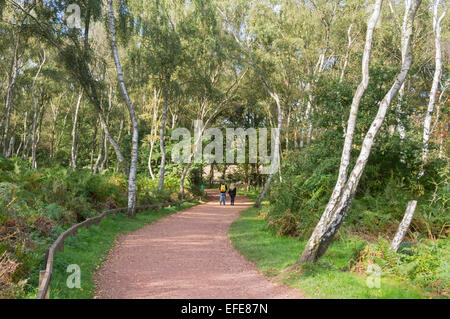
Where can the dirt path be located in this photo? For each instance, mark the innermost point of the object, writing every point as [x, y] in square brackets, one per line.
[185, 255]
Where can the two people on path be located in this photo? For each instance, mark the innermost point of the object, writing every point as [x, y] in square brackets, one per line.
[223, 193]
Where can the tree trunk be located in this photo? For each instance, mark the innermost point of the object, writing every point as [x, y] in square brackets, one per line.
[211, 173]
[59, 138]
[93, 145]
[135, 137]
[161, 139]
[309, 112]
[24, 138]
[118, 141]
[153, 132]
[100, 153]
[340, 203]
[74, 132]
[105, 142]
[34, 135]
[53, 134]
[436, 78]
[9, 95]
[399, 109]
[36, 111]
[351, 123]
[11, 146]
[404, 225]
[183, 176]
[276, 149]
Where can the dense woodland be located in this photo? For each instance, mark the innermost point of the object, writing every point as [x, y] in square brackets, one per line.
[91, 91]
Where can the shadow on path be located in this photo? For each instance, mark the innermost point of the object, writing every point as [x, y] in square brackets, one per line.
[186, 255]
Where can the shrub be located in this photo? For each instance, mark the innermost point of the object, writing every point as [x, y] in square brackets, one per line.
[426, 263]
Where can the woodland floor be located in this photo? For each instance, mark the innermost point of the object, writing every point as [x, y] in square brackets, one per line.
[186, 255]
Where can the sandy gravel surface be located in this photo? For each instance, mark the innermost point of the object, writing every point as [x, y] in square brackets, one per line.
[185, 255]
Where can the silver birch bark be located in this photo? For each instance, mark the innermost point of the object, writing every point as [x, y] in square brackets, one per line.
[105, 142]
[60, 136]
[436, 78]
[351, 125]
[36, 110]
[153, 132]
[100, 154]
[339, 204]
[161, 140]
[276, 149]
[404, 225]
[118, 141]
[135, 137]
[93, 146]
[9, 95]
[350, 42]
[24, 136]
[400, 128]
[54, 109]
[74, 132]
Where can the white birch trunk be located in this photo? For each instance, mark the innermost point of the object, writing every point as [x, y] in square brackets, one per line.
[135, 137]
[436, 78]
[34, 138]
[74, 132]
[276, 150]
[162, 169]
[351, 124]
[100, 154]
[339, 205]
[9, 95]
[404, 225]
[153, 133]
[118, 141]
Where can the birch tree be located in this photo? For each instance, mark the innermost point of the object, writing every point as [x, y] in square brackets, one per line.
[9, 96]
[36, 112]
[436, 79]
[74, 132]
[345, 189]
[135, 137]
[162, 168]
[276, 150]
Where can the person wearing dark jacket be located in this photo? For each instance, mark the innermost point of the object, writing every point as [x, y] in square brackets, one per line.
[232, 193]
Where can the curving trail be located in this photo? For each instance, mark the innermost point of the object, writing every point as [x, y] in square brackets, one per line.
[186, 255]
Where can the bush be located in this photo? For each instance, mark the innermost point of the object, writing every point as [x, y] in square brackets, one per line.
[386, 186]
[36, 206]
[426, 263]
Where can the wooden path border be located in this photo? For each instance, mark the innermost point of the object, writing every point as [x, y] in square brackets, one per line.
[45, 276]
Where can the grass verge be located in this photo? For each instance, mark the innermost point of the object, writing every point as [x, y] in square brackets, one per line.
[90, 247]
[328, 278]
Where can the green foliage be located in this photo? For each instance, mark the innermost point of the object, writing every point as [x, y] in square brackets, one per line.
[426, 264]
[90, 248]
[330, 277]
[36, 206]
[307, 183]
[386, 186]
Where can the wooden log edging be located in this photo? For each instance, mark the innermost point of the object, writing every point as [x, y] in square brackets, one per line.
[45, 276]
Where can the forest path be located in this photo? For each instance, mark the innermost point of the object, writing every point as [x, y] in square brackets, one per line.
[186, 255]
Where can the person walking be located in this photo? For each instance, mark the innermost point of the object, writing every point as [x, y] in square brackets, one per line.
[232, 193]
[223, 193]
